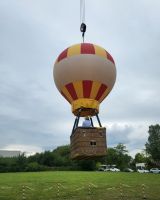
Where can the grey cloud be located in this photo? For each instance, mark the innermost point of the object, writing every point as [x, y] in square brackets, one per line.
[118, 134]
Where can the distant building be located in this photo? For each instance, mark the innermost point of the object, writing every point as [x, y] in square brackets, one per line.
[9, 154]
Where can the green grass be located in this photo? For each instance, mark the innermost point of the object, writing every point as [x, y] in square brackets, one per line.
[79, 186]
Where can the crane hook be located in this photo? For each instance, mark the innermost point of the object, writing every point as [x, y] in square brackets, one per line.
[83, 29]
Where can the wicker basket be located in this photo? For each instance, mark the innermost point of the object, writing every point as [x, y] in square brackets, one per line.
[88, 143]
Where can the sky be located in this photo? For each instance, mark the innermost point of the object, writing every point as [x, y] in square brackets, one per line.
[33, 115]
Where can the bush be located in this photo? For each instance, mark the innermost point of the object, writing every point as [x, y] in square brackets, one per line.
[34, 167]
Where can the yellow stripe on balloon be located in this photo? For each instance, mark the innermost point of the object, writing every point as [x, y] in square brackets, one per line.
[67, 94]
[104, 95]
[100, 51]
[78, 88]
[95, 87]
[74, 50]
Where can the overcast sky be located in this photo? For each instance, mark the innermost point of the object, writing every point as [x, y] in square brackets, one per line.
[33, 115]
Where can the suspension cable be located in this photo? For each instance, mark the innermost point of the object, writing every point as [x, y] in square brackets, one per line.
[82, 18]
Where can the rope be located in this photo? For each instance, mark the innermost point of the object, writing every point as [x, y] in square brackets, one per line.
[82, 18]
[82, 11]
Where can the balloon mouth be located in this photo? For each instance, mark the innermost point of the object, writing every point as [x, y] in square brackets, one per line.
[89, 107]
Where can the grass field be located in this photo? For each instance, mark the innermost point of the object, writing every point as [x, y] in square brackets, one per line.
[79, 186]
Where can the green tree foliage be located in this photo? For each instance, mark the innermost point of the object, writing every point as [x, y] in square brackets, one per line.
[153, 144]
[14, 164]
[21, 162]
[140, 158]
[123, 159]
[112, 156]
[118, 156]
[121, 149]
[62, 156]
[33, 167]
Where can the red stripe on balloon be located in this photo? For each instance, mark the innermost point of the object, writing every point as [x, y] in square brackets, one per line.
[71, 91]
[101, 91]
[65, 96]
[110, 57]
[87, 86]
[63, 55]
[87, 48]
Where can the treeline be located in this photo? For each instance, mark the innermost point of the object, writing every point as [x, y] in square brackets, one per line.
[59, 159]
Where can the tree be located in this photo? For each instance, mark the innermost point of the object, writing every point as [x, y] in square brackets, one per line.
[121, 149]
[112, 156]
[123, 159]
[118, 156]
[62, 156]
[33, 167]
[21, 162]
[47, 159]
[140, 158]
[153, 144]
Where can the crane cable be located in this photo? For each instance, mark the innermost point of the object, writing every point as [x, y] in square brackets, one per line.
[82, 18]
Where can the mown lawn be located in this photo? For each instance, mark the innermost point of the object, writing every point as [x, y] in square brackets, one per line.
[79, 186]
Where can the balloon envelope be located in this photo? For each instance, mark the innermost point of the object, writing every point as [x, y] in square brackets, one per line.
[84, 74]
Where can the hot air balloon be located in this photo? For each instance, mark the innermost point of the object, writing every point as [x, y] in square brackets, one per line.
[85, 74]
